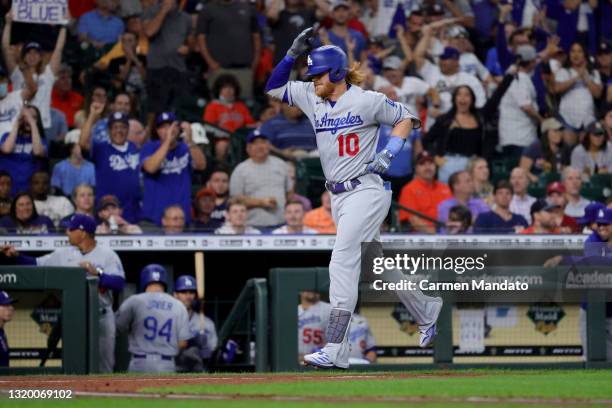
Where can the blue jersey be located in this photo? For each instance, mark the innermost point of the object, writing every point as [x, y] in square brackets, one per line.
[117, 173]
[21, 164]
[66, 177]
[4, 349]
[285, 134]
[170, 185]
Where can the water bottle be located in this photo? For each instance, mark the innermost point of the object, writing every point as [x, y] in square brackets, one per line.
[112, 223]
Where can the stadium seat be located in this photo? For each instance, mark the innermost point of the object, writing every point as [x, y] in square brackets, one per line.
[547, 178]
[593, 193]
[189, 107]
[601, 180]
[536, 190]
[310, 178]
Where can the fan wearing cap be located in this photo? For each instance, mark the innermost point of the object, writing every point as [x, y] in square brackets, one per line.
[204, 339]
[157, 324]
[112, 222]
[262, 182]
[98, 261]
[407, 88]
[204, 205]
[340, 34]
[459, 38]
[548, 154]
[594, 154]
[587, 222]
[518, 110]
[445, 76]
[31, 69]
[167, 163]
[423, 194]
[117, 159]
[544, 220]
[122, 103]
[555, 195]
[6, 315]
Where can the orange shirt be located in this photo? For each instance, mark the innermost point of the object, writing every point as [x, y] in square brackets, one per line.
[70, 104]
[228, 116]
[320, 220]
[423, 197]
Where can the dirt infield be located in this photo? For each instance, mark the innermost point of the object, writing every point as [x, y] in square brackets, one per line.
[109, 384]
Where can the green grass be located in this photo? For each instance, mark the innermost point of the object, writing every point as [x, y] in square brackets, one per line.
[540, 384]
[141, 403]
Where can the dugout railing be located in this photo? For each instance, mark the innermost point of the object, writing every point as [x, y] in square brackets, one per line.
[77, 344]
[286, 283]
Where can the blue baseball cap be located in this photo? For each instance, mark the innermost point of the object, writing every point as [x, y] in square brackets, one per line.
[165, 117]
[82, 222]
[590, 213]
[5, 299]
[604, 216]
[450, 53]
[33, 45]
[256, 134]
[118, 117]
[184, 283]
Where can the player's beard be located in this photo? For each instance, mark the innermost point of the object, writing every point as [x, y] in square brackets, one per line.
[324, 90]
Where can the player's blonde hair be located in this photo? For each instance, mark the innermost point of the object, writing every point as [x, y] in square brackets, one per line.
[355, 76]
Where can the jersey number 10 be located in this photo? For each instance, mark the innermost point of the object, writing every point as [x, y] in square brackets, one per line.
[348, 144]
[150, 325]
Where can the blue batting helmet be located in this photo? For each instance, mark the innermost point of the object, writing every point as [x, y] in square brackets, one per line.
[328, 58]
[153, 273]
[185, 282]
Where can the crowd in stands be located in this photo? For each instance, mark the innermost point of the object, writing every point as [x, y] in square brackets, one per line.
[150, 115]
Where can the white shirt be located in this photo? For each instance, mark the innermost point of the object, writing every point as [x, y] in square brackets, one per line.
[10, 106]
[522, 206]
[446, 84]
[285, 230]
[42, 99]
[577, 106]
[227, 229]
[54, 207]
[411, 88]
[576, 210]
[515, 126]
[468, 62]
[381, 22]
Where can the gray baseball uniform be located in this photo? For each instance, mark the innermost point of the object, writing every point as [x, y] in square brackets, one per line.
[107, 260]
[360, 337]
[156, 323]
[204, 342]
[347, 136]
[312, 323]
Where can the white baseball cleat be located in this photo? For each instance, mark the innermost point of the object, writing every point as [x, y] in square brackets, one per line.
[319, 359]
[428, 332]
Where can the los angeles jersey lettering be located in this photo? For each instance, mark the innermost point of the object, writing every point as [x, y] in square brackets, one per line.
[347, 132]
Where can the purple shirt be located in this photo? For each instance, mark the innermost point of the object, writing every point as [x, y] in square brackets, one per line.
[475, 205]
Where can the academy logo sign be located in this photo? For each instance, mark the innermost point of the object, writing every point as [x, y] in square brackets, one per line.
[8, 278]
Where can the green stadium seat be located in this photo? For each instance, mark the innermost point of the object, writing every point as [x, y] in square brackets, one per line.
[547, 178]
[601, 180]
[536, 190]
[310, 179]
[593, 193]
[189, 108]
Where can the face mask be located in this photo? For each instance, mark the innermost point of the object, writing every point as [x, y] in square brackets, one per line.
[226, 100]
[3, 90]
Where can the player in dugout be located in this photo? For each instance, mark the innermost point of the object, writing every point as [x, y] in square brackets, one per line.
[98, 261]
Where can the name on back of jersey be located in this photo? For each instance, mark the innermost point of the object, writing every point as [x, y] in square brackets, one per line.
[159, 305]
[331, 124]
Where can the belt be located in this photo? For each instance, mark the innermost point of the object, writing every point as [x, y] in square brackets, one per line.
[167, 358]
[338, 188]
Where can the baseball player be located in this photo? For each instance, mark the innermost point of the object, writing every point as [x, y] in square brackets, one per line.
[98, 261]
[346, 119]
[361, 340]
[203, 332]
[313, 316]
[6, 315]
[156, 323]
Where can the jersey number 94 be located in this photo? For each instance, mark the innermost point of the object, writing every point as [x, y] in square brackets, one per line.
[151, 329]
